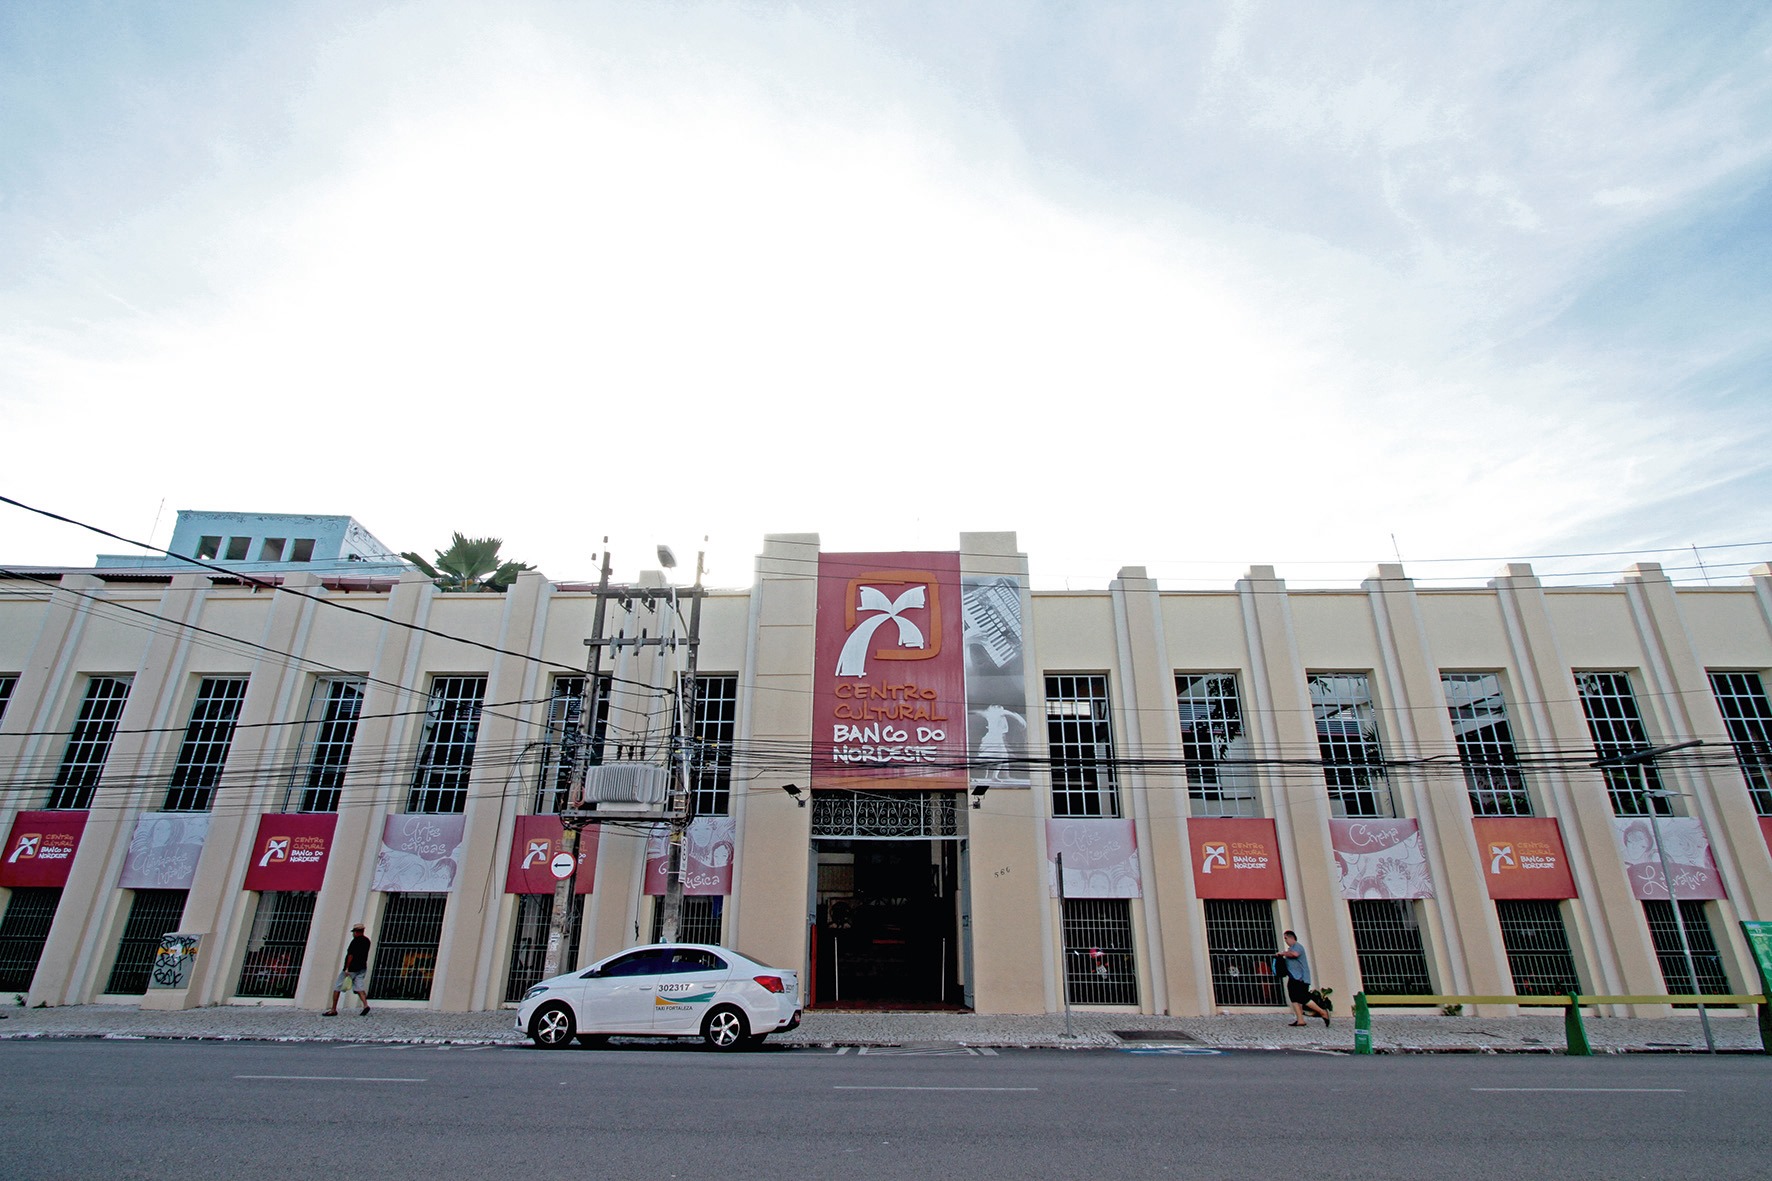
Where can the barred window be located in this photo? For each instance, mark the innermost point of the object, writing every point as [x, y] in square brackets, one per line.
[277, 943]
[152, 914]
[1387, 938]
[1100, 963]
[89, 744]
[1219, 781]
[1665, 934]
[327, 738]
[716, 727]
[30, 910]
[564, 741]
[446, 751]
[529, 940]
[406, 947]
[1080, 746]
[1485, 744]
[1742, 699]
[208, 736]
[1537, 946]
[700, 921]
[7, 682]
[1241, 941]
[1347, 737]
[1617, 729]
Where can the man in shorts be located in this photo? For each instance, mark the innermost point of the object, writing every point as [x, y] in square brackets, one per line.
[355, 976]
[1298, 981]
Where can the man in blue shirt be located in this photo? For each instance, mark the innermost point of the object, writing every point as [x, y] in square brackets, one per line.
[1298, 981]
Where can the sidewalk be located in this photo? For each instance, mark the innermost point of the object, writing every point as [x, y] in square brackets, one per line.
[1539, 1033]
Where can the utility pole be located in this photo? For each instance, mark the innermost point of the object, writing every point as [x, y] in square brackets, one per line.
[688, 757]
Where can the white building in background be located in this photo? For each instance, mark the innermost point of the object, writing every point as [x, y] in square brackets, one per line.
[1400, 774]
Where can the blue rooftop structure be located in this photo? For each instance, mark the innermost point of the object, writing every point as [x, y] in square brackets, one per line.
[270, 543]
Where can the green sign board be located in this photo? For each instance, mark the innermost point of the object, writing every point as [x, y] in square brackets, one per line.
[1759, 938]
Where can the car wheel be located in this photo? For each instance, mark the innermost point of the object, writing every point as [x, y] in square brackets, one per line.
[593, 1041]
[552, 1026]
[725, 1029]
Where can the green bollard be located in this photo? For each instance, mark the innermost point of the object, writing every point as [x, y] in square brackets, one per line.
[1574, 1030]
[1362, 1024]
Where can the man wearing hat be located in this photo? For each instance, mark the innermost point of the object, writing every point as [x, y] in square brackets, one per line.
[354, 977]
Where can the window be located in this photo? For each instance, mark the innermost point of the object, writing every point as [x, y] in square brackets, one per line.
[716, 726]
[205, 749]
[1617, 729]
[700, 920]
[1347, 736]
[1537, 948]
[272, 549]
[1742, 699]
[303, 550]
[1485, 744]
[1100, 966]
[406, 951]
[1212, 743]
[529, 942]
[1665, 934]
[1080, 746]
[29, 913]
[89, 745]
[563, 741]
[1241, 940]
[276, 944]
[6, 686]
[238, 548]
[152, 914]
[1387, 938]
[327, 736]
[446, 752]
[208, 547]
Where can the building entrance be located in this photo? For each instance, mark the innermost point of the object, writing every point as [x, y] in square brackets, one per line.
[886, 933]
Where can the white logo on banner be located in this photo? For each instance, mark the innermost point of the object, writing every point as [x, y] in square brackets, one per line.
[853, 660]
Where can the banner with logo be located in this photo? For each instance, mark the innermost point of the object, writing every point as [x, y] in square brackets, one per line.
[291, 850]
[164, 851]
[1100, 858]
[1236, 858]
[708, 846]
[1766, 831]
[41, 848]
[1688, 857]
[1523, 857]
[889, 682]
[1380, 859]
[996, 681]
[418, 853]
[533, 845]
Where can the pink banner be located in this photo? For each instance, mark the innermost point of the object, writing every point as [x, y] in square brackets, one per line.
[1100, 858]
[1380, 859]
[1235, 858]
[291, 850]
[164, 851]
[533, 845]
[1523, 857]
[41, 848]
[708, 847]
[418, 853]
[1688, 857]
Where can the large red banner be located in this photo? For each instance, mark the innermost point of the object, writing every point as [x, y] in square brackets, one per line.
[291, 851]
[533, 845]
[1236, 858]
[1766, 831]
[889, 685]
[41, 848]
[1523, 857]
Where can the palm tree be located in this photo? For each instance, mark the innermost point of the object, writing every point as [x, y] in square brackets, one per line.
[470, 565]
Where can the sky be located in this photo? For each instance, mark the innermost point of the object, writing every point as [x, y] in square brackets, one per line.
[1192, 287]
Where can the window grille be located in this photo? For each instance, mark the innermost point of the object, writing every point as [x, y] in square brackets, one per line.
[1100, 964]
[1347, 737]
[205, 749]
[561, 746]
[529, 942]
[23, 932]
[89, 745]
[1537, 948]
[6, 687]
[277, 943]
[1742, 699]
[446, 752]
[1387, 938]
[1666, 936]
[880, 815]
[1213, 746]
[1080, 746]
[331, 729]
[1617, 729]
[1241, 940]
[700, 921]
[406, 955]
[152, 914]
[1486, 744]
[716, 726]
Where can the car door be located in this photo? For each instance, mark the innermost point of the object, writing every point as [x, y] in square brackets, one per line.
[618, 994]
[689, 982]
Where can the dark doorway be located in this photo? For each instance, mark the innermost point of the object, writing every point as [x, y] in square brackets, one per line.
[887, 924]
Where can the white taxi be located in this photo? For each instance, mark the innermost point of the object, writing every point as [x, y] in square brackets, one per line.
[664, 990]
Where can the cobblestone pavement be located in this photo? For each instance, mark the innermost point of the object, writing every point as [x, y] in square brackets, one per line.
[1093, 1030]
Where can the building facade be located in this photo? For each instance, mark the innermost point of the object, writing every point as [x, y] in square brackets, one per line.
[1403, 775]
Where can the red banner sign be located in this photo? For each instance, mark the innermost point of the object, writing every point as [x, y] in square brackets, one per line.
[1236, 858]
[533, 845]
[291, 851]
[41, 848]
[1766, 831]
[889, 687]
[1523, 857]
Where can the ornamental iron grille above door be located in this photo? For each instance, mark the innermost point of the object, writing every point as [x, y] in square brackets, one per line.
[899, 815]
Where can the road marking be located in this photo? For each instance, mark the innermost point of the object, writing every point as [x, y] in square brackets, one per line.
[841, 1088]
[326, 1078]
[1590, 1090]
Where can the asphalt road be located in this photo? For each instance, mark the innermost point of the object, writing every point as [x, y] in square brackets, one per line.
[194, 1110]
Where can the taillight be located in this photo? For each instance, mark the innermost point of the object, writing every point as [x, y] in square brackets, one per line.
[772, 983]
